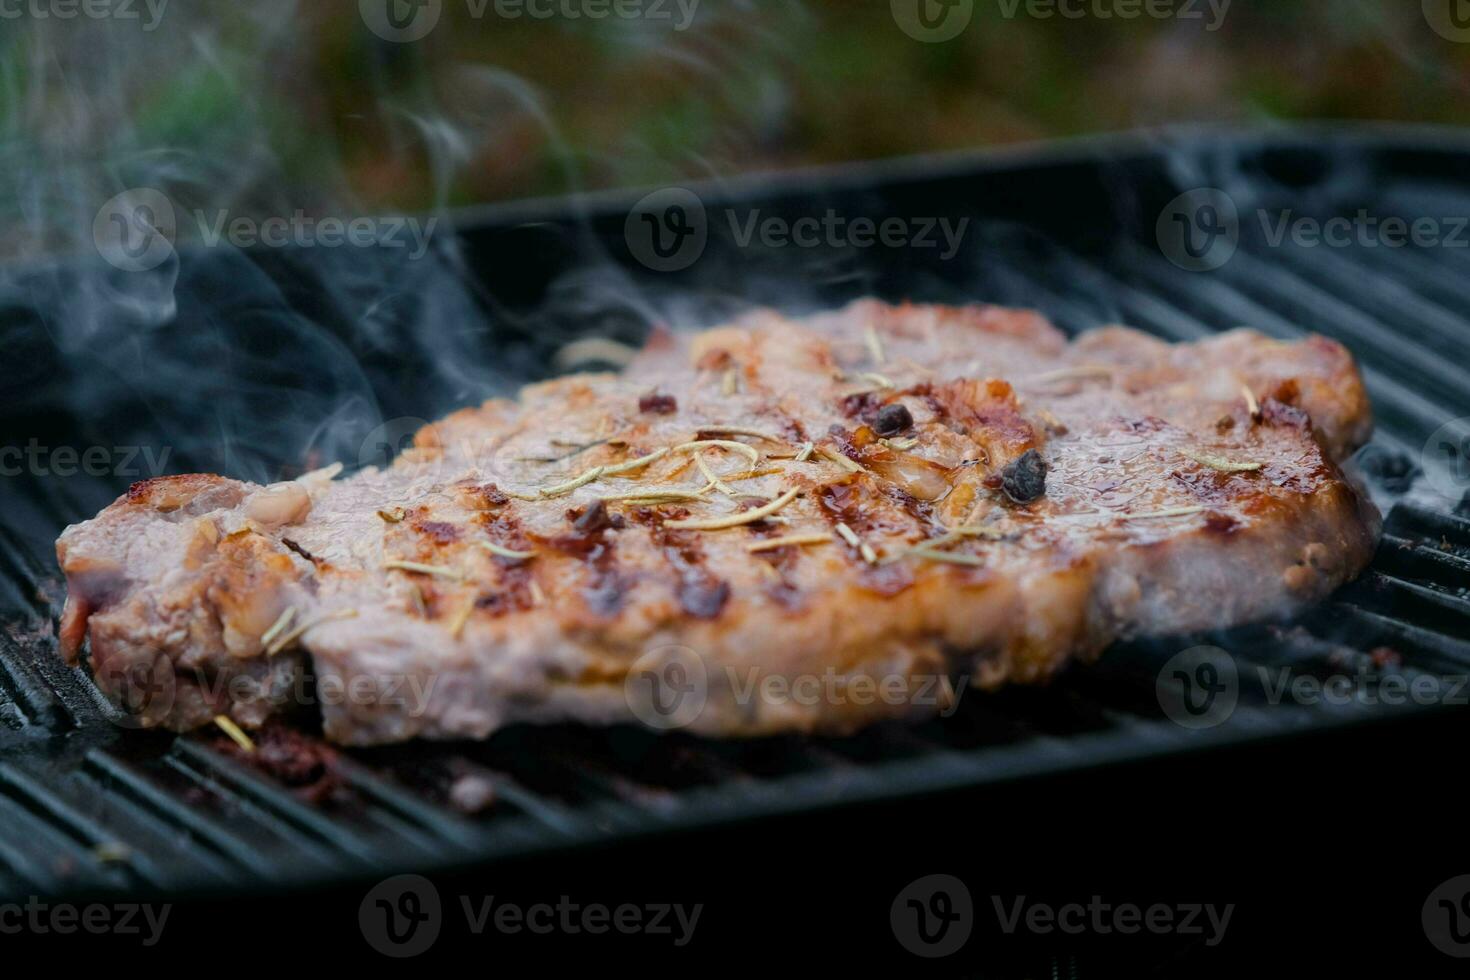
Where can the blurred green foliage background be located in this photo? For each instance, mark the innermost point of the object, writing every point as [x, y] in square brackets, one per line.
[267, 98]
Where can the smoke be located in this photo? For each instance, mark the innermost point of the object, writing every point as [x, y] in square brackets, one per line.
[191, 280]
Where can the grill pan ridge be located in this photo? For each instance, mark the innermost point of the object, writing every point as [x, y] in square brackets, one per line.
[87, 805]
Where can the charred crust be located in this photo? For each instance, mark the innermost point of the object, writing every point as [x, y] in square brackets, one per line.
[863, 406]
[656, 403]
[1274, 411]
[483, 496]
[439, 531]
[606, 588]
[703, 595]
[1217, 522]
[593, 518]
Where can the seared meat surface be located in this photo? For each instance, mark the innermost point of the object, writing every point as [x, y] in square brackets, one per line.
[890, 495]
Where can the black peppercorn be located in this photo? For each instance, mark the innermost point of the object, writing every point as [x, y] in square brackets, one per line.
[892, 419]
[1024, 479]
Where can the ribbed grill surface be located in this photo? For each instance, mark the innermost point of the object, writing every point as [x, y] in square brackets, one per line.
[86, 804]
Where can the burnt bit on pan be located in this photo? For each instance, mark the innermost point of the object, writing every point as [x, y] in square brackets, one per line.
[302, 763]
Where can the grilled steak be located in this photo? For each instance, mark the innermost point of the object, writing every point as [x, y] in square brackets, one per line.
[896, 496]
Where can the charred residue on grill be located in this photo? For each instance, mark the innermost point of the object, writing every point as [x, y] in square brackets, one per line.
[304, 764]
